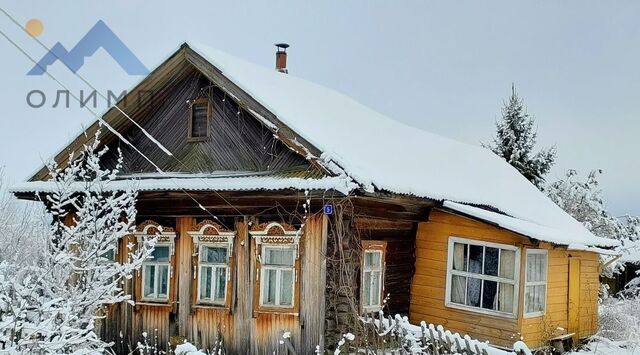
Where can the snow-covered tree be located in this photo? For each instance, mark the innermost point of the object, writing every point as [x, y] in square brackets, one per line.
[583, 201]
[22, 228]
[516, 138]
[50, 307]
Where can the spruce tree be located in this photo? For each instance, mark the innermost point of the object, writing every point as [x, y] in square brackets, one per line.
[516, 138]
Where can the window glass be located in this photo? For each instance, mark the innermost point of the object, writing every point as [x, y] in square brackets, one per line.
[482, 276]
[366, 288]
[214, 265]
[199, 112]
[286, 291]
[160, 253]
[458, 289]
[214, 254]
[150, 280]
[473, 292]
[491, 261]
[460, 256]
[536, 282]
[372, 258]
[279, 256]
[536, 268]
[206, 279]
[489, 294]
[110, 255]
[475, 258]
[155, 275]
[269, 284]
[506, 297]
[371, 278]
[221, 282]
[164, 281]
[507, 263]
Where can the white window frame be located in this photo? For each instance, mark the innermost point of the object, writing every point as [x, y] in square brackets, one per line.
[515, 282]
[279, 269]
[380, 290]
[151, 262]
[213, 266]
[536, 283]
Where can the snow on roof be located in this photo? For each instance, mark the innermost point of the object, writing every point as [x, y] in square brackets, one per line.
[630, 252]
[528, 228]
[377, 151]
[197, 183]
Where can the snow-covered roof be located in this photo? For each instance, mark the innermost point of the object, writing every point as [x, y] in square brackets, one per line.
[527, 228]
[203, 183]
[630, 252]
[377, 151]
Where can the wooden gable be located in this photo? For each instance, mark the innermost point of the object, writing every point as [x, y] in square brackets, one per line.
[238, 141]
[235, 140]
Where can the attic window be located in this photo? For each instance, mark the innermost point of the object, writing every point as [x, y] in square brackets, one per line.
[199, 118]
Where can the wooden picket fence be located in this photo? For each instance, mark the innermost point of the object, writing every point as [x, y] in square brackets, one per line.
[397, 336]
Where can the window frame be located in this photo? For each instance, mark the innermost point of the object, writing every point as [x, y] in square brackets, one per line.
[156, 264]
[226, 265]
[375, 246]
[515, 282]
[165, 236]
[535, 283]
[275, 234]
[278, 268]
[199, 101]
[210, 233]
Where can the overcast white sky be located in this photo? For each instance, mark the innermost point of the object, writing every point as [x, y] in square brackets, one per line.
[443, 66]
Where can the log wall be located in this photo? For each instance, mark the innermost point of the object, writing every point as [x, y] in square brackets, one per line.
[241, 328]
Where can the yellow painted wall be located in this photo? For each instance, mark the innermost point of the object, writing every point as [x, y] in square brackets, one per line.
[429, 282]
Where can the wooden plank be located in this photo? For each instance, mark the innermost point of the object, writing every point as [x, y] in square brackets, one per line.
[184, 250]
[574, 297]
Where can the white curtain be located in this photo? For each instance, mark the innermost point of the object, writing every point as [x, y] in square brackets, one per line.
[458, 283]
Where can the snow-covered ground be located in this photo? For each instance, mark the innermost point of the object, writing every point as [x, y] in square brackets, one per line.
[604, 346]
[619, 328]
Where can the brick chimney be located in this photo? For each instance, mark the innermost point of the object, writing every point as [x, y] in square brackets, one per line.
[281, 57]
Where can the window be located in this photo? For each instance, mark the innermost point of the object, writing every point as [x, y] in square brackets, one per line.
[535, 287]
[278, 276]
[372, 277]
[482, 276]
[214, 273]
[199, 118]
[155, 275]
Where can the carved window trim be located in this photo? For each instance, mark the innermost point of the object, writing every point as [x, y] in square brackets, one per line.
[165, 236]
[209, 233]
[379, 247]
[276, 235]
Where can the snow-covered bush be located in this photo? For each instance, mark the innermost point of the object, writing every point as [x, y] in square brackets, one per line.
[51, 306]
[620, 320]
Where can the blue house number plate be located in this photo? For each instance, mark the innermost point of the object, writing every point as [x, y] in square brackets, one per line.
[328, 208]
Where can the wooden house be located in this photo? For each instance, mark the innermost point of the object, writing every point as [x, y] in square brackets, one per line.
[288, 207]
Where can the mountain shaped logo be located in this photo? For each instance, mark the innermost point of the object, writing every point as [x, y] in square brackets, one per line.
[99, 36]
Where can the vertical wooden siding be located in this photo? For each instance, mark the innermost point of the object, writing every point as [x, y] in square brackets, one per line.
[243, 330]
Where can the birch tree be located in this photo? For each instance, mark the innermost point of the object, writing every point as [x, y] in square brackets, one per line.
[51, 306]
